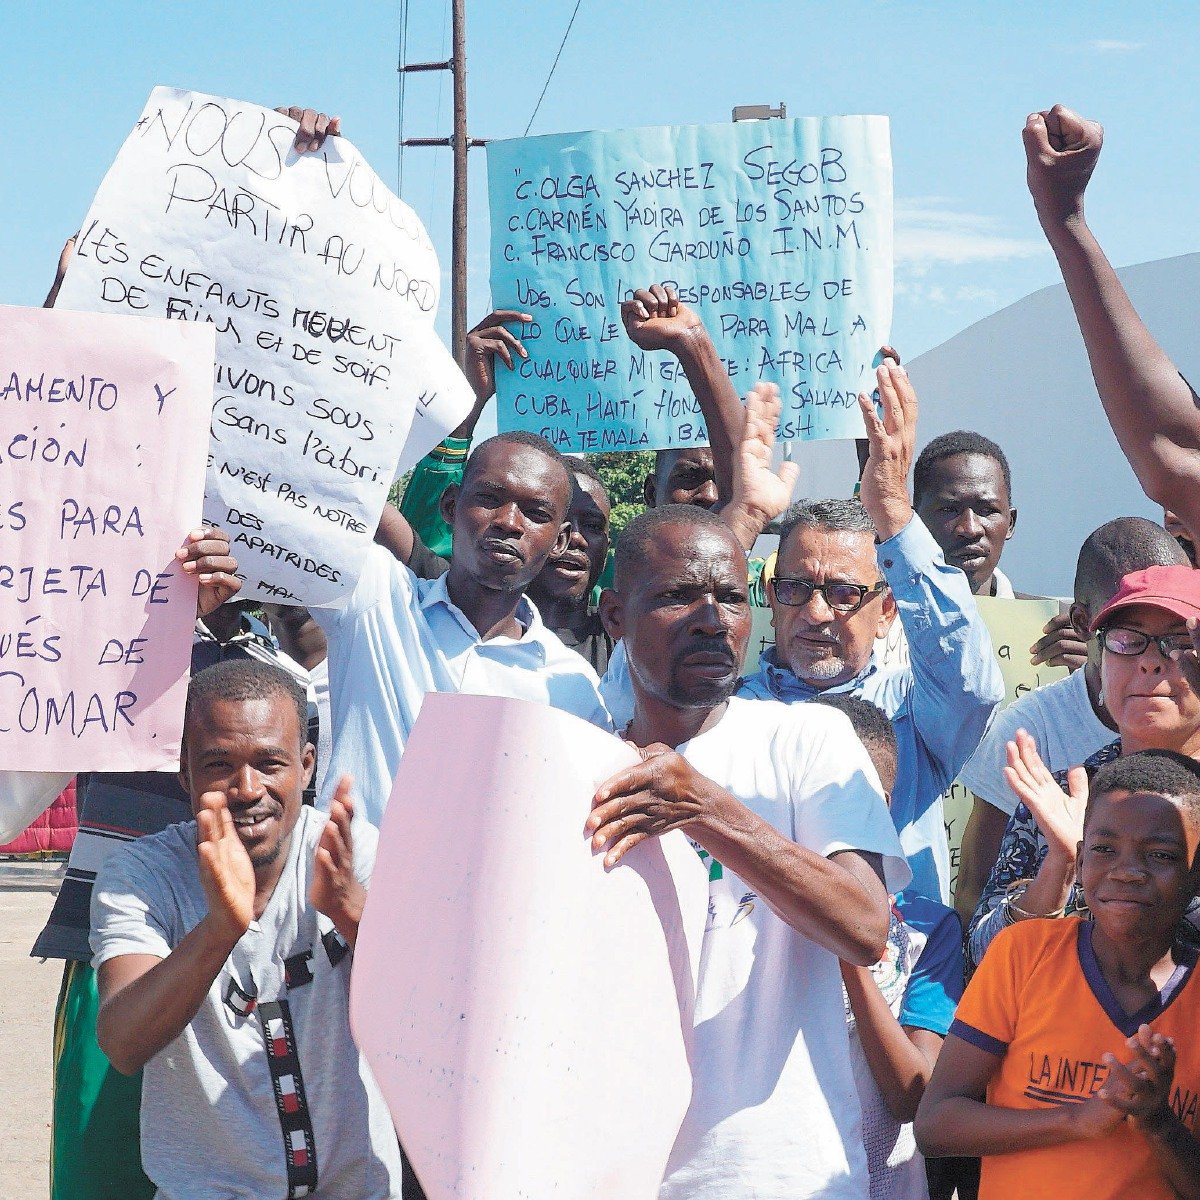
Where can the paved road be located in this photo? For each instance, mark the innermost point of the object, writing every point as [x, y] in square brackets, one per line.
[28, 990]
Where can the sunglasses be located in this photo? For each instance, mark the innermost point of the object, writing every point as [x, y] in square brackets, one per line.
[841, 597]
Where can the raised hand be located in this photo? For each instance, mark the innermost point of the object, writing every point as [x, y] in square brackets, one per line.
[315, 127]
[1189, 660]
[1059, 814]
[206, 556]
[891, 441]
[335, 889]
[487, 340]
[1061, 151]
[656, 320]
[226, 872]
[759, 493]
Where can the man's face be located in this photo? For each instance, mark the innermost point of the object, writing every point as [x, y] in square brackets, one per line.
[682, 477]
[254, 752]
[685, 617]
[508, 516]
[571, 574]
[965, 506]
[1137, 866]
[815, 642]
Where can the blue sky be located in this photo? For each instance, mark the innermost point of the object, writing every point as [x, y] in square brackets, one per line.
[956, 79]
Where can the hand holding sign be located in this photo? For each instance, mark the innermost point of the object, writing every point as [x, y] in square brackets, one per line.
[206, 555]
[314, 127]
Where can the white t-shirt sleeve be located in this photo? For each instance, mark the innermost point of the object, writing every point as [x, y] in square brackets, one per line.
[128, 913]
[838, 801]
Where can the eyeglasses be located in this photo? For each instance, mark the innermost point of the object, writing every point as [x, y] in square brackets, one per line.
[841, 597]
[1131, 642]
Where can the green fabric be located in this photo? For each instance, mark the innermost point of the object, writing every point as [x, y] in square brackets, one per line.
[95, 1151]
[440, 468]
[758, 585]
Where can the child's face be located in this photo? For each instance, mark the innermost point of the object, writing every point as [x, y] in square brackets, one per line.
[1136, 864]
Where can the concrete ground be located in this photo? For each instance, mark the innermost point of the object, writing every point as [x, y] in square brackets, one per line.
[28, 991]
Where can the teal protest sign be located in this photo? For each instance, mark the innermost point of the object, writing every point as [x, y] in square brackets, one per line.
[778, 234]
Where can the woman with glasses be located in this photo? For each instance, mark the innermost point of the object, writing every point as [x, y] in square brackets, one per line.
[1147, 649]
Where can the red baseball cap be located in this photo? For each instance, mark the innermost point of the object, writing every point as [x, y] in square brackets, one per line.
[1174, 589]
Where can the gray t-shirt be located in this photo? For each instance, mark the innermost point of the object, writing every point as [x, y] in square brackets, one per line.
[1060, 719]
[214, 1120]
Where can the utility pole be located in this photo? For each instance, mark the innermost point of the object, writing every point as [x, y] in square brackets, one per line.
[459, 142]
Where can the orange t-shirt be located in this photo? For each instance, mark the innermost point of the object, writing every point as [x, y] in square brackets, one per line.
[1040, 1003]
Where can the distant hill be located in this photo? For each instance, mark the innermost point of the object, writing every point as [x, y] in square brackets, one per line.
[1021, 377]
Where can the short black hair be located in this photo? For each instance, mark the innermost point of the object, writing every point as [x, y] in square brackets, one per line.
[1114, 550]
[635, 540]
[873, 728]
[581, 466]
[245, 679]
[521, 437]
[1158, 772]
[960, 441]
[834, 515]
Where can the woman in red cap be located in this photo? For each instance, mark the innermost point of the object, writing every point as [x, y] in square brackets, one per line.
[1150, 676]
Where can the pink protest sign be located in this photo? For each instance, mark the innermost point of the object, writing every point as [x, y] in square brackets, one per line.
[528, 1016]
[102, 460]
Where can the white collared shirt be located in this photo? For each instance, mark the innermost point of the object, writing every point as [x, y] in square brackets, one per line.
[399, 637]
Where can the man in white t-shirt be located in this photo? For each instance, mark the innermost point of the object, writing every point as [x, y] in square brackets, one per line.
[1067, 718]
[784, 805]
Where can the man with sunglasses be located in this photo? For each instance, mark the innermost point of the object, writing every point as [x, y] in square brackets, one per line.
[835, 591]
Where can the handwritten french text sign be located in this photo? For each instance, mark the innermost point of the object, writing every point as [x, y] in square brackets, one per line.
[102, 459]
[322, 287]
[519, 1005]
[777, 233]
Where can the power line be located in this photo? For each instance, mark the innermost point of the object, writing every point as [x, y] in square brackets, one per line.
[400, 105]
[552, 66]
[434, 179]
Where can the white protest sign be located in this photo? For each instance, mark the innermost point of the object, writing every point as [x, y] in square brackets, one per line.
[322, 287]
[105, 424]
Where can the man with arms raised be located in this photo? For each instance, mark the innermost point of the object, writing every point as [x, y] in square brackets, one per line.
[784, 805]
[222, 947]
[834, 592]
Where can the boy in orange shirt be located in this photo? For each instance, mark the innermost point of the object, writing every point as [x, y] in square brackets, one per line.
[1082, 1034]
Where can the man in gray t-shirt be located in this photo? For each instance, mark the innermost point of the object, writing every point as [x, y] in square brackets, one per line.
[223, 949]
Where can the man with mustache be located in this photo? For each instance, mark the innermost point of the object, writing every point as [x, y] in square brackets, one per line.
[784, 806]
[835, 591]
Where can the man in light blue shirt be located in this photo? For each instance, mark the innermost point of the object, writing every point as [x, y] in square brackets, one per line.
[835, 591]
[471, 630]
